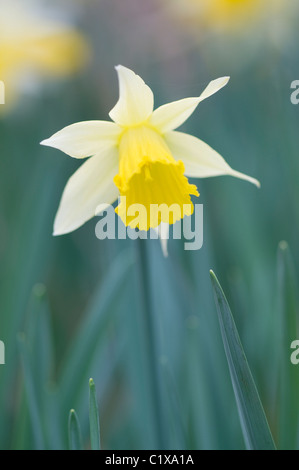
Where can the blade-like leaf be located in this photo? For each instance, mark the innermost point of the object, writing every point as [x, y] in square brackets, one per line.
[94, 417]
[39, 336]
[289, 377]
[256, 432]
[92, 332]
[75, 440]
[31, 394]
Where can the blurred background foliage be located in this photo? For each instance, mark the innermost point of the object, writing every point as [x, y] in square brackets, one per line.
[70, 307]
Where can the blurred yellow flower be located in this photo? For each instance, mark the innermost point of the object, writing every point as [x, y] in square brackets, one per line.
[233, 11]
[230, 15]
[33, 46]
[139, 156]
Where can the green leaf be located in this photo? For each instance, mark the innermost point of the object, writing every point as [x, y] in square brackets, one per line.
[28, 253]
[94, 417]
[289, 377]
[31, 394]
[75, 440]
[101, 313]
[38, 333]
[256, 432]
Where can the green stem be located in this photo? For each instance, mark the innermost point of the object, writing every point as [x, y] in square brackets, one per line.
[150, 339]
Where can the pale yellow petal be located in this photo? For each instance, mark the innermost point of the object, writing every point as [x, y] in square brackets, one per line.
[172, 115]
[200, 160]
[90, 186]
[136, 100]
[84, 139]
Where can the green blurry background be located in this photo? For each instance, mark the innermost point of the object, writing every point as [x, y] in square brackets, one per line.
[70, 307]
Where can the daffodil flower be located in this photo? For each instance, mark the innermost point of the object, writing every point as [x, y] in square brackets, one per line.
[139, 155]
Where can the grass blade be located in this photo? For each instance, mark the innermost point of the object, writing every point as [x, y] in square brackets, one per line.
[94, 417]
[31, 394]
[256, 432]
[75, 440]
[289, 377]
[100, 314]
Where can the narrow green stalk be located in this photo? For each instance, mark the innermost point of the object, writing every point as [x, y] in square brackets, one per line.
[75, 440]
[151, 347]
[94, 417]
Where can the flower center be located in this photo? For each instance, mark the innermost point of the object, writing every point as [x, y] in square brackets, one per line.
[151, 182]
